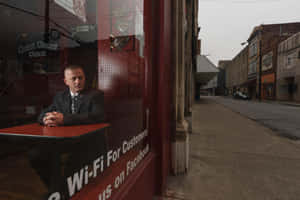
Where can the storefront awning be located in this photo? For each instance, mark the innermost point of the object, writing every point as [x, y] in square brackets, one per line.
[206, 70]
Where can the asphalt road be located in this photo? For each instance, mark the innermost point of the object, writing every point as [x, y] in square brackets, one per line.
[282, 119]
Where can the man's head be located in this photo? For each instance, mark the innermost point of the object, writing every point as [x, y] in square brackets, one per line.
[74, 78]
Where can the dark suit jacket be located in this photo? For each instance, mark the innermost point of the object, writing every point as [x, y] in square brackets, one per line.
[91, 107]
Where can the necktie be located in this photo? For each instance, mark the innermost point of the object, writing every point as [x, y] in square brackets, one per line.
[74, 105]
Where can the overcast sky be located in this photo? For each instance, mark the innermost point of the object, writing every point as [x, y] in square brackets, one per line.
[225, 24]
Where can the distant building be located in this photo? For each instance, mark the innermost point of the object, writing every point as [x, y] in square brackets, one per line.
[263, 42]
[236, 72]
[211, 86]
[288, 69]
[221, 80]
[206, 71]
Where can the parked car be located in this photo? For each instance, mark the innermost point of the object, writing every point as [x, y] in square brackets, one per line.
[240, 95]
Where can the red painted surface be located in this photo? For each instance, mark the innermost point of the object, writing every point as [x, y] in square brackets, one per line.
[268, 86]
[132, 179]
[163, 90]
[57, 132]
[143, 179]
[120, 73]
[269, 78]
[126, 79]
[93, 189]
[132, 84]
[128, 189]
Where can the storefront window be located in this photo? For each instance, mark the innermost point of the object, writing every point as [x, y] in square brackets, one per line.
[268, 89]
[39, 38]
[121, 65]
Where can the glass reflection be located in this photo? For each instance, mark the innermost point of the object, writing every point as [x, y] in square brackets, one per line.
[37, 40]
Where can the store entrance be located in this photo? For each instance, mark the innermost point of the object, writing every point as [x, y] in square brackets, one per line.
[291, 88]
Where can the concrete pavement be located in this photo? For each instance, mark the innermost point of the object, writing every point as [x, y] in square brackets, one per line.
[235, 158]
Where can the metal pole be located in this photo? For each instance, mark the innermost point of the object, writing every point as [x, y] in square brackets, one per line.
[46, 34]
[259, 72]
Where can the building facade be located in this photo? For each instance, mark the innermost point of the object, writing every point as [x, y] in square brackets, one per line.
[184, 50]
[206, 71]
[221, 85]
[211, 87]
[288, 69]
[236, 72]
[263, 43]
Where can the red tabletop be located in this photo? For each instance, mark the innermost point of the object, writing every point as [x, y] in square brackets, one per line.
[56, 132]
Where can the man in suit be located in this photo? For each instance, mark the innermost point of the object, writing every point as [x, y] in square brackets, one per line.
[76, 105]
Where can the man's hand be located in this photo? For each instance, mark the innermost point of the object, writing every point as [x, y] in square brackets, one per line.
[53, 119]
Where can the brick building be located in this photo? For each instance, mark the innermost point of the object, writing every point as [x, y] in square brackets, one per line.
[230, 79]
[236, 72]
[263, 43]
[288, 69]
[221, 85]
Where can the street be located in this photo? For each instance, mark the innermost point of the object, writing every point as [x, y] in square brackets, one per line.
[235, 158]
[283, 119]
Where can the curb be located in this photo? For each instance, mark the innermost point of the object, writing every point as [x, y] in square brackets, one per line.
[289, 104]
[277, 102]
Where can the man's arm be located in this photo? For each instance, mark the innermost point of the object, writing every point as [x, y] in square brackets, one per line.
[95, 113]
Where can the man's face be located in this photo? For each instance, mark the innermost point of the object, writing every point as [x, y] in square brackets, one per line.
[74, 79]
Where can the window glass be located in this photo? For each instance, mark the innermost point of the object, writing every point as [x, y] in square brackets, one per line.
[41, 38]
[38, 39]
[252, 67]
[291, 59]
[122, 66]
[253, 48]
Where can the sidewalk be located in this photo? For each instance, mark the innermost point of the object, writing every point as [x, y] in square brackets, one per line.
[234, 158]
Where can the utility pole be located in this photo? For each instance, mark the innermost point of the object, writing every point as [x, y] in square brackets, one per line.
[259, 67]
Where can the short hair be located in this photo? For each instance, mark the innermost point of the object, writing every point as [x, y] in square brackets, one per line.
[72, 67]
